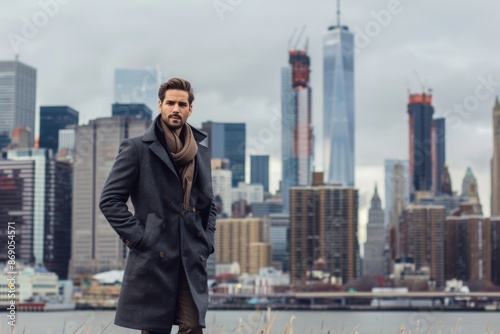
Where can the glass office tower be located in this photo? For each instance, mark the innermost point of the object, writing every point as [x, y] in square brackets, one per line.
[53, 119]
[259, 170]
[338, 106]
[422, 148]
[17, 99]
[227, 140]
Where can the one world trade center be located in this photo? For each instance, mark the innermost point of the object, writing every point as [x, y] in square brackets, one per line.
[338, 105]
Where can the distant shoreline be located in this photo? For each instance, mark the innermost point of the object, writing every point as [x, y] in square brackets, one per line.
[296, 308]
[355, 308]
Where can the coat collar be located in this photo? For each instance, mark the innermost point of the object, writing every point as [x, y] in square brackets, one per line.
[157, 147]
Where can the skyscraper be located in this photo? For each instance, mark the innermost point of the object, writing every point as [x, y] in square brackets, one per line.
[18, 97]
[374, 259]
[338, 105]
[35, 192]
[470, 192]
[53, 119]
[299, 62]
[259, 170]
[423, 236]
[279, 240]
[397, 189]
[421, 124]
[445, 186]
[495, 164]
[95, 245]
[227, 140]
[397, 197]
[297, 157]
[324, 232]
[440, 152]
[468, 248]
[288, 161]
[495, 249]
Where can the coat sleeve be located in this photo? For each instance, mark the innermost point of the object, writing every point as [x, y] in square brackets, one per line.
[120, 184]
[211, 225]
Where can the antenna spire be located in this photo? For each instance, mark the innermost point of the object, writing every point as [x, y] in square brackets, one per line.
[338, 13]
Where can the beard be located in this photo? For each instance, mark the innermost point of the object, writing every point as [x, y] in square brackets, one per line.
[174, 125]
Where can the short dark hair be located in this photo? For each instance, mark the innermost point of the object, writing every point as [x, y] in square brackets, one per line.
[176, 83]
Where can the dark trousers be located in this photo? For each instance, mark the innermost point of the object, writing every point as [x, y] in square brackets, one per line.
[186, 314]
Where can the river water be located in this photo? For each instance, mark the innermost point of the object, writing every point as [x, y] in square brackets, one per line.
[249, 322]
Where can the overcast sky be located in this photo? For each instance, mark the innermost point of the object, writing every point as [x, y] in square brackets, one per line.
[232, 52]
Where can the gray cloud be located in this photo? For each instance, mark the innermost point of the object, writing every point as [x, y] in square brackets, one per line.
[234, 63]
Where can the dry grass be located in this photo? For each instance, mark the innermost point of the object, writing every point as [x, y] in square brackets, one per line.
[85, 328]
[263, 325]
[455, 330]
[259, 323]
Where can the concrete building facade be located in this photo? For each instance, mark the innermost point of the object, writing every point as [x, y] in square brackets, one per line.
[423, 237]
[324, 232]
[95, 245]
[244, 240]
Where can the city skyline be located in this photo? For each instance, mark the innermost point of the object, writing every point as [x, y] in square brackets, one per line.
[240, 76]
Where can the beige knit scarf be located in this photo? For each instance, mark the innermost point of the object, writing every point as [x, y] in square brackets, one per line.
[183, 154]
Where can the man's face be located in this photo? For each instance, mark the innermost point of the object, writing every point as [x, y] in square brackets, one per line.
[175, 109]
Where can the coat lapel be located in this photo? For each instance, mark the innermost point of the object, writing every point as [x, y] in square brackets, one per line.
[157, 148]
[160, 152]
[202, 158]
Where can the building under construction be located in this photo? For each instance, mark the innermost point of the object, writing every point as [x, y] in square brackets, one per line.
[297, 157]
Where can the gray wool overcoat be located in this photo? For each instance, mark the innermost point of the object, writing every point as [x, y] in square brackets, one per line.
[160, 234]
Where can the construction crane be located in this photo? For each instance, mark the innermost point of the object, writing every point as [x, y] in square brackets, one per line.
[300, 36]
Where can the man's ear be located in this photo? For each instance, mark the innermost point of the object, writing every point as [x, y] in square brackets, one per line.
[190, 110]
[159, 105]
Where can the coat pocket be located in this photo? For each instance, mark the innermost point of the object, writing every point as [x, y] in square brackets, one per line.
[151, 232]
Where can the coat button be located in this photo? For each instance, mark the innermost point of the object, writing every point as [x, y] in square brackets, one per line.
[127, 242]
[162, 254]
[194, 209]
[202, 258]
[199, 234]
[168, 199]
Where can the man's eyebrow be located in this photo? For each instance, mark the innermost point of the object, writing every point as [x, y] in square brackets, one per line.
[180, 101]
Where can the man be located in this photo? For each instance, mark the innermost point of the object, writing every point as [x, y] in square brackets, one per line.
[166, 173]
